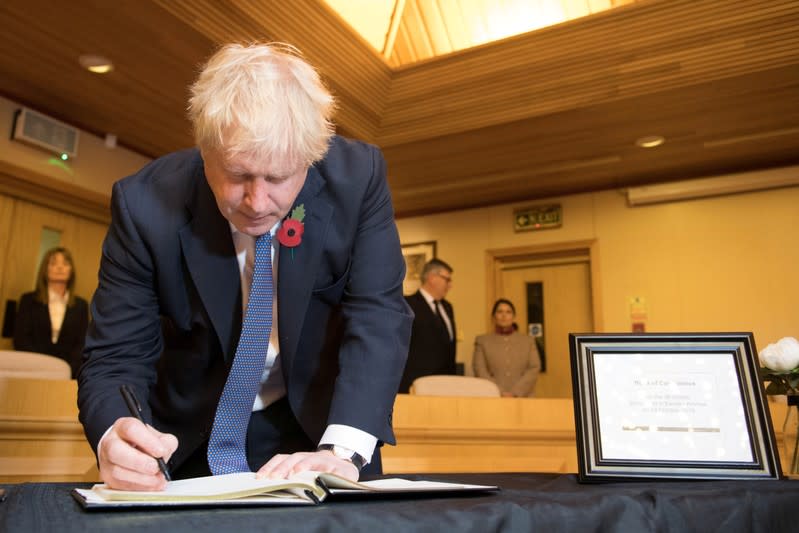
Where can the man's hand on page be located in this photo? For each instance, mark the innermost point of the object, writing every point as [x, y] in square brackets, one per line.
[127, 455]
[282, 466]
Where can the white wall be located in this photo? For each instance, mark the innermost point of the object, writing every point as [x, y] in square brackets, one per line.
[727, 263]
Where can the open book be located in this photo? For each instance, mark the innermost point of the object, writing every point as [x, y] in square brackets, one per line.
[305, 488]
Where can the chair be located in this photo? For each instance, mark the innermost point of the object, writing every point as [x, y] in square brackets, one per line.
[16, 364]
[454, 386]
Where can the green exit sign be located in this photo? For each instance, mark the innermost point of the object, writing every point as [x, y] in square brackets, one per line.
[537, 217]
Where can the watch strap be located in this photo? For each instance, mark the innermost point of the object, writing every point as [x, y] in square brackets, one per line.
[344, 453]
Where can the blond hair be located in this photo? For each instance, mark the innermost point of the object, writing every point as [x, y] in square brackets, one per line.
[262, 99]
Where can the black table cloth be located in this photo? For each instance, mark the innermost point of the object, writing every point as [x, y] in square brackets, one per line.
[527, 502]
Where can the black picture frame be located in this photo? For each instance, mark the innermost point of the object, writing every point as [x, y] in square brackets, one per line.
[651, 406]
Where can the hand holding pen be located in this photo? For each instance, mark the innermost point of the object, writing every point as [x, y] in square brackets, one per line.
[135, 410]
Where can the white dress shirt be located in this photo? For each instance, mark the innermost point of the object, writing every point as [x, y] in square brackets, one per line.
[273, 386]
[444, 316]
[57, 305]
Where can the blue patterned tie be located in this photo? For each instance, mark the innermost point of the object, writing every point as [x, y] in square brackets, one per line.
[227, 451]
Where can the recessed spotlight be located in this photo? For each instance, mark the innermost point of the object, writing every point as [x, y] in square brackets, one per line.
[95, 63]
[650, 141]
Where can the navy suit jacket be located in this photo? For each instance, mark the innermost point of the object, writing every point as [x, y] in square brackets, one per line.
[431, 350]
[33, 330]
[167, 312]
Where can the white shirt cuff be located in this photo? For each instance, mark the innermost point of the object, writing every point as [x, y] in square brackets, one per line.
[351, 438]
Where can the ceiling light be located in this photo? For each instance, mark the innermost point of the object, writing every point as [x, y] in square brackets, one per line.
[650, 141]
[95, 63]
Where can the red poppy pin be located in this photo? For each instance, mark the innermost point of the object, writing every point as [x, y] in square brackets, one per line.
[290, 232]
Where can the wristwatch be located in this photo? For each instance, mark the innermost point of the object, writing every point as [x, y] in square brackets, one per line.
[344, 453]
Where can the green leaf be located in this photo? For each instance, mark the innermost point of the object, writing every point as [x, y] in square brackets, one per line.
[298, 213]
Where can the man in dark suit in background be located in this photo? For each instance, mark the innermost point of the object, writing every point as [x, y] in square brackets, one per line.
[433, 336]
[189, 237]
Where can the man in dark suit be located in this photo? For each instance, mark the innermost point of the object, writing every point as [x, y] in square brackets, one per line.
[175, 279]
[433, 336]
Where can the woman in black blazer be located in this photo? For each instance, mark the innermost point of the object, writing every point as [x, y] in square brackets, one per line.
[52, 319]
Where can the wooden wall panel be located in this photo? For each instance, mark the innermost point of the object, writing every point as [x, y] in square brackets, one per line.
[30, 202]
[83, 238]
[27, 224]
[88, 244]
[6, 214]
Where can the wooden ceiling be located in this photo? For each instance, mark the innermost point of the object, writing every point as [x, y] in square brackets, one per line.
[430, 29]
[407, 31]
[551, 112]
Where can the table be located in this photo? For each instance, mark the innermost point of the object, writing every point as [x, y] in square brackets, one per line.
[527, 502]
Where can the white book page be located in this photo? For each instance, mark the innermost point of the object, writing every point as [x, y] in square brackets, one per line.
[245, 485]
[340, 484]
[236, 485]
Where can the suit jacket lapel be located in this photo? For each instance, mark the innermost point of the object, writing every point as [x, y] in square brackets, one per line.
[297, 266]
[211, 260]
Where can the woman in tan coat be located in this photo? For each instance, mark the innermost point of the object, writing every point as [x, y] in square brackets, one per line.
[507, 357]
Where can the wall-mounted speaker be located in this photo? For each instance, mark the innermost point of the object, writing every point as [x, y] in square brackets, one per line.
[36, 129]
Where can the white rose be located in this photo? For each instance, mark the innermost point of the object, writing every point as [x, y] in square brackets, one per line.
[781, 356]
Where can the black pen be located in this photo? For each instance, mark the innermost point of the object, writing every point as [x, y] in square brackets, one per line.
[135, 410]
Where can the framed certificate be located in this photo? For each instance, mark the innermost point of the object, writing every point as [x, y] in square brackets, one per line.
[682, 406]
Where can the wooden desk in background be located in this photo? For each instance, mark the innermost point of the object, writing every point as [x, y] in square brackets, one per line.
[40, 436]
[440, 434]
[450, 435]
[42, 440]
